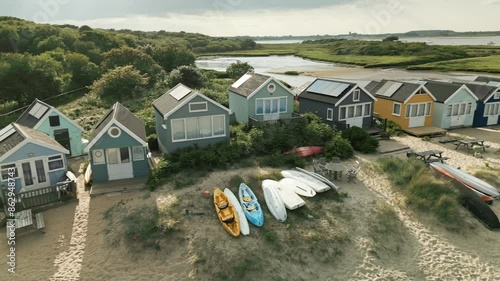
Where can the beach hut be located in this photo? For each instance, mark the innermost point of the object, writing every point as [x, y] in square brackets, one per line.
[410, 105]
[338, 103]
[118, 148]
[30, 158]
[186, 118]
[47, 119]
[258, 98]
[488, 105]
[454, 106]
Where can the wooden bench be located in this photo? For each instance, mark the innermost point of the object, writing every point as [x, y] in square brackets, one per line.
[40, 223]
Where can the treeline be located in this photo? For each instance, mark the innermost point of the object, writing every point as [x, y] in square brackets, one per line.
[41, 60]
[378, 48]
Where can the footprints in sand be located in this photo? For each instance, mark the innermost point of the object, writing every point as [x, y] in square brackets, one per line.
[438, 259]
[69, 263]
[368, 270]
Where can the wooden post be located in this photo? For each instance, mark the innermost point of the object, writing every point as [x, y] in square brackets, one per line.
[385, 124]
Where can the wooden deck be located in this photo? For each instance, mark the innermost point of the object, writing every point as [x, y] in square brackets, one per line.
[425, 131]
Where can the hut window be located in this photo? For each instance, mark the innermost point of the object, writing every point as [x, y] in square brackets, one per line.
[54, 121]
[56, 162]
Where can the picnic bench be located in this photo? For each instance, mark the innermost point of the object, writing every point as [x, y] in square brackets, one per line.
[470, 144]
[24, 219]
[430, 156]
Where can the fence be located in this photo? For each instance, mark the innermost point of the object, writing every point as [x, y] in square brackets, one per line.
[254, 122]
[44, 196]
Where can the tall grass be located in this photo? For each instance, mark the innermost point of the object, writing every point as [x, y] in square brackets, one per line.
[422, 189]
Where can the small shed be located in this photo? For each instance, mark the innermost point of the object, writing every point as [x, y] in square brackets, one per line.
[118, 147]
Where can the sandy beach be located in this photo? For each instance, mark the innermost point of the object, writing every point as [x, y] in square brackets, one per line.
[326, 240]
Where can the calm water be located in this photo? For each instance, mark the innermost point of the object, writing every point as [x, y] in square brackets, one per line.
[279, 64]
[430, 40]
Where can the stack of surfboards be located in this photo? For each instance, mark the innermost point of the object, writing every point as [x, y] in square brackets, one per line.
[314, 182]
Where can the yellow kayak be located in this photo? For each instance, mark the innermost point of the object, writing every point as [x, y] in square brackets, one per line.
[226, 213]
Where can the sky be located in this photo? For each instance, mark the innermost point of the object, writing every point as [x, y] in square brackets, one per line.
[263, 17]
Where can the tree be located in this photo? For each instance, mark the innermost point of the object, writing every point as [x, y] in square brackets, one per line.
[238, 69]
[83, 71]
[187, 75]
[248, 44]
[392, 38]
[129, 56]
[49, 44]
[120, 83]
[171, 57]
[8, 37]
[25, 77]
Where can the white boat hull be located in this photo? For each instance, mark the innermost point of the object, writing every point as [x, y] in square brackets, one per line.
[273, 200]
[469, 180]
[313, 182]
[298, 187]
[244, 227]
[291, 200]
[319, 177]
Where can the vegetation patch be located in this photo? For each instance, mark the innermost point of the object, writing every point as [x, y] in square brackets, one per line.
[423, 189]
[490, 175]
[360, 140]
[142, 227]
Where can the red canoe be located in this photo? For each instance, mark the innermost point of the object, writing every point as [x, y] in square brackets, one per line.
[305, 151]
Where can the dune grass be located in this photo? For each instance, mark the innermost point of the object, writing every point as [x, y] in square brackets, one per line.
[422, 189]
[490, 175]
[141, 227]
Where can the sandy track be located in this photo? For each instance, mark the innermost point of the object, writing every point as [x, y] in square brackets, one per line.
[438, 259]
[69, 262]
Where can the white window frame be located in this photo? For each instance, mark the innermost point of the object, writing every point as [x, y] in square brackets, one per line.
[197, 103]
[394, 107]
[356, 93]
[427, 109]
[140, 157]
[363, 110]
[184, 120]
[497, 95]
[61, 158]
[264, 105]
[3, 167]
[94, 157]
[490, 107]
[112, 128]
[329, 114]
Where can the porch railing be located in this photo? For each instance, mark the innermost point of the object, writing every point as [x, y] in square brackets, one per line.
[294, 117]
[43, 196]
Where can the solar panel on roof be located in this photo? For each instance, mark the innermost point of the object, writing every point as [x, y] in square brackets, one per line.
[180, 92]
[242, 80]
[38, 110]
[6, 132]
[389, 89]
[328, 88]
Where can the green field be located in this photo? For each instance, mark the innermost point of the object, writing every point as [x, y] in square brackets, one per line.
[482, 64]
[473, 58]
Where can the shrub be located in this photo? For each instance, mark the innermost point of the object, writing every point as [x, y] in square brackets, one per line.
[238, 69]
[338, 147]
[292, 72]
[279, 161]
[187, 75]
[360, 140]
[394, 128]
[421, 190]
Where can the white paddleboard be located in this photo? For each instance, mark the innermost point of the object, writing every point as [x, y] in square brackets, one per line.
[273, 200]
[88, 174]
[244, 227]
[313, 182]
[298, 187]
[319, 177]
[291, 199]
[71, 176]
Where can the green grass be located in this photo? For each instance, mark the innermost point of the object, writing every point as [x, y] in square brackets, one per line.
[481, 64]
[143, 227]
[489, 175]
[422, 189]
[484, 58]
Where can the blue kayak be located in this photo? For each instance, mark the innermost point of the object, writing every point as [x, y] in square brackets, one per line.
[250, 205]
